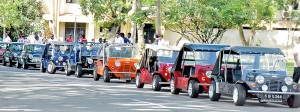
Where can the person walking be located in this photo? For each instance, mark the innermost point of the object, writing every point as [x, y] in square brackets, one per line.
[70, 38]
[21, 39]
[296, 74]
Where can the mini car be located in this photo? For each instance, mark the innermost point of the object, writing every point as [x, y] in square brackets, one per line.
[116, 61]
[154, 66]
[86, 54]
[56, 56]
[31, 55]
[3, 46]
[190, 70]
[13, 50]
[253, 72]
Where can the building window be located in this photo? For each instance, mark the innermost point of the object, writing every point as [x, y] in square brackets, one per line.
[71, 1]
[80, 30]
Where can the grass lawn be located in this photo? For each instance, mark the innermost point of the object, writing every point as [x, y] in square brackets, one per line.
[290, 67]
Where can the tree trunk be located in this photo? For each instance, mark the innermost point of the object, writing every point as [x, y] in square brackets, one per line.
[242, 36]
[251, 39]
[141, 43]
[134, 8]
[114, 30]
[158, 22]
[178, 40]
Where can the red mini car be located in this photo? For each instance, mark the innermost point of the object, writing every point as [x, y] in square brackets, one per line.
[155, 65]
[3, 46]
[193, 67]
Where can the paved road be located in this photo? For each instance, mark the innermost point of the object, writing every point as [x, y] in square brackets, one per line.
[30, 90]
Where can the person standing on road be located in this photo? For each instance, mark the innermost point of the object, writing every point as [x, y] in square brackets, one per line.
[296, 74]
[124, 38]
[37, 40]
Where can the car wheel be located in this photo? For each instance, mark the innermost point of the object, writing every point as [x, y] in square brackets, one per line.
[155, 83]
[212, 93]
[51, 68]
[193, 89]
[18, 64]
[106, 77]
[42, 69]
[95, 74]
[79, 71]
[174, 90]
[10, 63]
[293, 101]
[4, 62]
[24, 66]
[239, 95]
[67, 70]
[138, 82]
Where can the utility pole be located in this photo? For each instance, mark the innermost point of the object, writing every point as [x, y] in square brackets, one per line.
[158, 22]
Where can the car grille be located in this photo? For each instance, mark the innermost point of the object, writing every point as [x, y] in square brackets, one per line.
[274, 85]
[126, 68]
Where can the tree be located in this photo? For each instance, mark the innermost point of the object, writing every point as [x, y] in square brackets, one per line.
[107, 13]
[20, 16]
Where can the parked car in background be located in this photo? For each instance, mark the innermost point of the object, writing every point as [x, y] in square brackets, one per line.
[56, 56]
[86, 54]
[13, 50]
[31, 55]
[116, 61]
[253, 72]
[192, 68]
[155, 65]
[3, 46]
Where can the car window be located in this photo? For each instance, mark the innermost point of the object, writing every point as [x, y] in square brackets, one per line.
[3, 46]
[121, 51]
[200, 57]
[35, 48]
[16, 47]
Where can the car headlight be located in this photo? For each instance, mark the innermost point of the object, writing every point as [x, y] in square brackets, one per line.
[117, 63]
[60, 58]
[264, 87]
[90, 61]
[260, 79]
[208, 74]
[284, 88]
[15, 55]
[136, 65]
[30, 56]
[288, 81]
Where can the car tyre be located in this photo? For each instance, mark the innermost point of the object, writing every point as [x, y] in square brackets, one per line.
[18, 64]
[51, 68]
[138, 82]
[174, 90]
[193, 89]
[42, 69]
[212, 93]
[25, 66]
[10, 63]
[79, 71]
[95, 74]
[67, 70]
[155, 83]
[293, 101]
[106, 76]
[4, 62]
[239, 95]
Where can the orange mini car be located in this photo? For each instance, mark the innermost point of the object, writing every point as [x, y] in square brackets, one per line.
[116, 61]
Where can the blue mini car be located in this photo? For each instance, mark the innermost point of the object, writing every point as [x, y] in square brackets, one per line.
[86, 54]
[56, 56]
[31, 55]
[13, 50]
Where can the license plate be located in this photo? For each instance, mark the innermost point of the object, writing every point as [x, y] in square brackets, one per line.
[272, 96]
[127, 75]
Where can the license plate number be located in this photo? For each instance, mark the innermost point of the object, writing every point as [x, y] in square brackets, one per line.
[127, 75]
[272, 96]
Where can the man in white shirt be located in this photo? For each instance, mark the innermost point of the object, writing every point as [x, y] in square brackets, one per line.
[161, 41]
[296, 51]
[7, 38]
[51, 39]
[119, 39]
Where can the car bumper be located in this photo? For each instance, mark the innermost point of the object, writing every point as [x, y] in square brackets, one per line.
[274, 92]
[88, 69]
[123, 72]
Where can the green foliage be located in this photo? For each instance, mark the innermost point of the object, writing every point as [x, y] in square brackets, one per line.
[21, 16]
[107, 13]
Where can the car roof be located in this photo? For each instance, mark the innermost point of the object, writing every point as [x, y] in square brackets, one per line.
[15, 43]
[4, 42]
[119, 44]
[203, 47]
[159, 47]
[253, 50]
[33, 44]
[62, 43]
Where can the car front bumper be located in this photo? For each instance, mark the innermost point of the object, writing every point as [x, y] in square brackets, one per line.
[274, 92]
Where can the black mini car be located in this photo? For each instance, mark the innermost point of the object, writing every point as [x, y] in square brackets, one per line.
[253, 72]
[31, 55]
[13, 50]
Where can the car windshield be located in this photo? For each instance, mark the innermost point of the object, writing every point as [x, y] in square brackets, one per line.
[200, 57]
[3, 46]
[266, 62]
[167, 56]
[121, 51]
[35, 49]
[16, 47]
[89, 50]
[63, 49]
